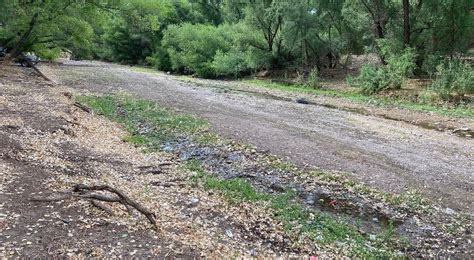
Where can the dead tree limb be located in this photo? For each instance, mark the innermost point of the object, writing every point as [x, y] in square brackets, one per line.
[82, 107]
[124, 199]
[37, 70]
[87, 192]
[102, 206]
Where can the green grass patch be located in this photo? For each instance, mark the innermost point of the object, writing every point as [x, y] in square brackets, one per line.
[297, 220]
[146, 70]
[208, 138]
[149, 124]
[354, 95]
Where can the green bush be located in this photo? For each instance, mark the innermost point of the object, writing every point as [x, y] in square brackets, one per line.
[400, 66]
[430, 62]
[453, 79]
[212, 51]
[313, 79]
[49, 54]
[159, 60]
[192, 48]
[231, 64]
[371, 80]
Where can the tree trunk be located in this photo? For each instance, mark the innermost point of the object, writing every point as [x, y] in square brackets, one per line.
[406, 23]
[23, 40]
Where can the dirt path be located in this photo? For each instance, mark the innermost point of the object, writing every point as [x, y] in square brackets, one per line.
[387, 154]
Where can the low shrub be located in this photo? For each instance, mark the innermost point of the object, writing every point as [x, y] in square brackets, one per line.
[313, 79]
[310, 80]
[453, 79]
[400, 65]
[371, 79]
[159, 60]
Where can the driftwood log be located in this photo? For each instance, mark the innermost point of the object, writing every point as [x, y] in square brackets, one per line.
[88, 192]
[37, 70]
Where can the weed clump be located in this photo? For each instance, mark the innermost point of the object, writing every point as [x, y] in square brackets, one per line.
[453, 80]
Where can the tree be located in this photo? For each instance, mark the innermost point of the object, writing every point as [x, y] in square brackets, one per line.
[136, 30]
[267, 17]
[381, 12]
[406, 22]
[46, 26]
[210, 9]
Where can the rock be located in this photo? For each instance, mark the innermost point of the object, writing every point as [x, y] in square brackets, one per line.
[462, 129]
[428, 228]
[302, 101]
[449, 211]
[263, 73]
[277, 187]
[193, 202]
[310, 201]
[253, 252]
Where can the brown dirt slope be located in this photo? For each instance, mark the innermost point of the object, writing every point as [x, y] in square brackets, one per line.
[47, 145]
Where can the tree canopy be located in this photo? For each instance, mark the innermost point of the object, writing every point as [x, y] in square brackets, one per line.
[230, 38]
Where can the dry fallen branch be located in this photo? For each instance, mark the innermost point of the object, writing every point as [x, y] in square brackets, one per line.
[124, 199]
[39, 72]
[102, 206]
[87, 192]
[81, 106]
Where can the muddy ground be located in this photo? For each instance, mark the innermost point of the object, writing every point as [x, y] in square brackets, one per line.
[387, 154]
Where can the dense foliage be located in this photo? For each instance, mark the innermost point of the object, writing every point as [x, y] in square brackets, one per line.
[454, 79]
[226, 38]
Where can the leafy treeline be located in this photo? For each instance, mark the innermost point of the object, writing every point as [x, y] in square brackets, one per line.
[231, 38]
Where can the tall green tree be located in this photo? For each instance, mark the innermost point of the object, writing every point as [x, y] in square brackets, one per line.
[47, 26]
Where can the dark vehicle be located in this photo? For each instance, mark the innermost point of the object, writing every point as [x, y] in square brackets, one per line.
[24, 59]
[27, 59]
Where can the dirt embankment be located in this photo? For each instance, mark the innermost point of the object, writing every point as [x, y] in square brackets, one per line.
[47, 144]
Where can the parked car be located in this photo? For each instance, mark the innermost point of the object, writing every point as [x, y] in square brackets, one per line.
[26, 59]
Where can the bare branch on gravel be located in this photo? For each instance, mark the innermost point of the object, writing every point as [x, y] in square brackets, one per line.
[86, 192]
[124, 199]
[102, 207]
[82, 107]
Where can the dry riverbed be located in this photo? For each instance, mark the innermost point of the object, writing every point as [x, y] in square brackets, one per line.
[391, 155]
[212, 196]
